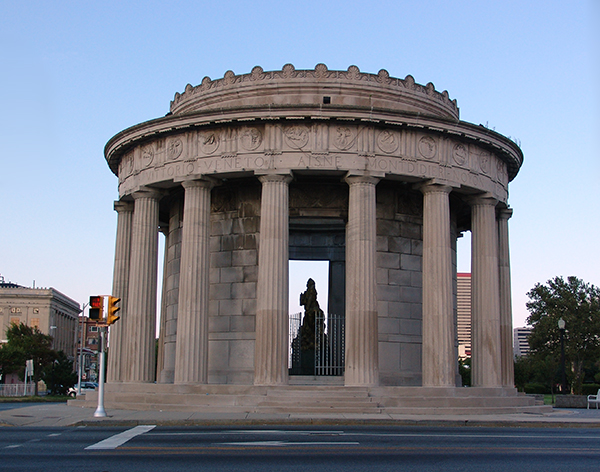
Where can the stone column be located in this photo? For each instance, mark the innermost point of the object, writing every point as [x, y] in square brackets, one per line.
[362, 363]
[272, 323]
[506, 328]
[141, 300]
[191, 358]
[120, 287]
[485, 306]
[439, 356]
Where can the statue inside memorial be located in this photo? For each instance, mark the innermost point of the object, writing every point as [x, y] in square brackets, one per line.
[311, 336]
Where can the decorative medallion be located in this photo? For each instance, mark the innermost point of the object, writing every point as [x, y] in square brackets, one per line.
[250, 138]
[501, 171]
[344, 137]
[460, 154]
[427, 147]
[209, 142]
[174, 148]
[387, 141]
[297, 136]
[147, 155]
[127, 165]
[485, 161]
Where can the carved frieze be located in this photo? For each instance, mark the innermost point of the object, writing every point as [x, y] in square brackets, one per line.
[335, 146]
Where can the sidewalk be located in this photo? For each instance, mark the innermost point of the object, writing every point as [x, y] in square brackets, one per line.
[60, 414]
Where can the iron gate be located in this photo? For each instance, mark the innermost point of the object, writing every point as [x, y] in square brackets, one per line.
[327, 357]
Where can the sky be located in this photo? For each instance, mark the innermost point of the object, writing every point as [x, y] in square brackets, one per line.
[76, 73]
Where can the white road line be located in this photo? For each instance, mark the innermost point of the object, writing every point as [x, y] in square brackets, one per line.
[119, 439]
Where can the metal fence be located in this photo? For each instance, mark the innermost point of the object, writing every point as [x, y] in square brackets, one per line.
[17, 390]
[327, 358]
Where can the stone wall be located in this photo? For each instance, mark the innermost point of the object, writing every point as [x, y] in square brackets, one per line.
[399, 282]
[235, 224]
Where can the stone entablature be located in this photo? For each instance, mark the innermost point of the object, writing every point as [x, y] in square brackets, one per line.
[304, 135]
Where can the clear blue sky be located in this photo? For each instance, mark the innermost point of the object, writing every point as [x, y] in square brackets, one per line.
[76, 73]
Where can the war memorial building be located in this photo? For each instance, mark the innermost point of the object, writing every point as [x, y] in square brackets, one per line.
[376, 175]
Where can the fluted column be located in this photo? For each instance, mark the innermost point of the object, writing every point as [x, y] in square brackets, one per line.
[362, 363]
[191, 358]
[506, 328]
[141, 300]
[439, 356]
[120, 287]
[272, 324]
[485, 306]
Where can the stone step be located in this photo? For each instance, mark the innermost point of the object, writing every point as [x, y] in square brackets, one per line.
[440, 402]
[466, 411]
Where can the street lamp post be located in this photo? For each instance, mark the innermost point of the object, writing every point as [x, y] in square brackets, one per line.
[561, 328]
[80, 366]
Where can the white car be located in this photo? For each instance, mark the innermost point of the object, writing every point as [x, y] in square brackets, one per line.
[85, 387]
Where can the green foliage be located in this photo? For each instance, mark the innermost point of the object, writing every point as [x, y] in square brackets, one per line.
[536, 370]
[578, 304]
[590, 389]
[535, 388]
[59, 375]
[26, 342]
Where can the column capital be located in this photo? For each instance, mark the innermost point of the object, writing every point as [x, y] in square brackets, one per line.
[121, 206]
[431, 186]
[504, 213]
[284, 177]
[203, 183]
[483, 199]
[147, 192]
[352, 179]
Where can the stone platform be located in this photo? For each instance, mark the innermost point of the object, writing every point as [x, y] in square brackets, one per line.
[314, 399]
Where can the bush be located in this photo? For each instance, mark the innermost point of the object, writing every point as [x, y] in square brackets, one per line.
[536, 388]
[590, 389]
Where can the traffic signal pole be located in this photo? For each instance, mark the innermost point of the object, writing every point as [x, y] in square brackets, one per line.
[100, 412]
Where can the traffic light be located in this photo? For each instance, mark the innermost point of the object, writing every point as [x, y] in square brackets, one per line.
[112, 309]
[96, 307]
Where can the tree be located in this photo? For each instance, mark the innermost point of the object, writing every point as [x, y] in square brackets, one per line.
[578, 304]
[59, 375]
[26, 342]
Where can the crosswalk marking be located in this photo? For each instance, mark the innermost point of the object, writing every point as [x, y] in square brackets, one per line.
[119, 439]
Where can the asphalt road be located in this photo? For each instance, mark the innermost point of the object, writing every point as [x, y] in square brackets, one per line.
[150, 448]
